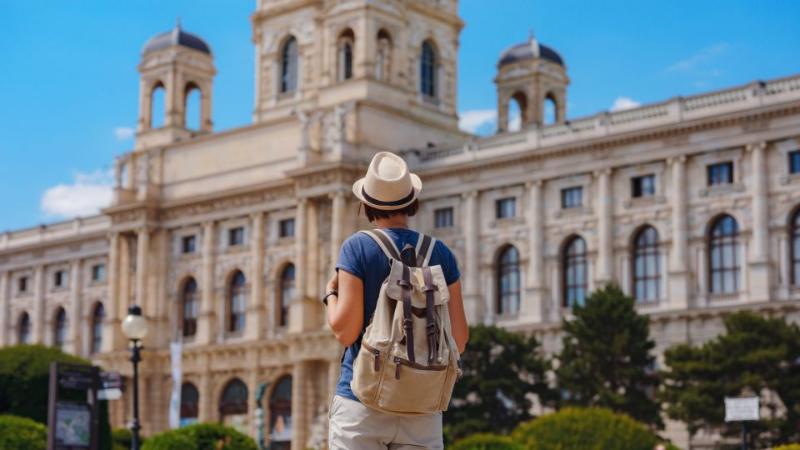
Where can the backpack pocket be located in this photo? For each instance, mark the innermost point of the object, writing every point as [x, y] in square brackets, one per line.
[406, 386]
[368, 370]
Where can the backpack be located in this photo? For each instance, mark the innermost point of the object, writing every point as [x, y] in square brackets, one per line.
[408, 362]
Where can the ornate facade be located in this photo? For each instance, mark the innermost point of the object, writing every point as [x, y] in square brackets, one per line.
[226, 238]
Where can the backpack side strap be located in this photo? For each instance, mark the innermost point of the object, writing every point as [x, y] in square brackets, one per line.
[425, 250]
[385, 243]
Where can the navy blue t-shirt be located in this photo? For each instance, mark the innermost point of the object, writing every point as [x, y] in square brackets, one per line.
[362, 257]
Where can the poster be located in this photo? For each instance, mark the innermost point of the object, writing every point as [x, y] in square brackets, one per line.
[73, 424]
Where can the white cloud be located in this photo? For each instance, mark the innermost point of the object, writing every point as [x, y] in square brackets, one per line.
[474, 120]
[621, 103]
[515, 121]
[702, 56]
[88, 193]
[123, 133]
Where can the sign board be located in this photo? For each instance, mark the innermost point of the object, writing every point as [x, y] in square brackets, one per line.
[72, 420]
[77, 377]
[110, 386]
[73, 425]
[739, 409]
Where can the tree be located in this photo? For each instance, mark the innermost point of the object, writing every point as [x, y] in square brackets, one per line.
[756, 354]
[606, 360]
[502, 370]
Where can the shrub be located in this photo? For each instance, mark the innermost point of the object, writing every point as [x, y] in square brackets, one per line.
[584, 429]
[21, 433]
[201, 436]
[121, 438]
[486, 441]
[788, 447]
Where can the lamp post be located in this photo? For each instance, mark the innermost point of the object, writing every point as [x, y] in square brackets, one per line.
[135, 329]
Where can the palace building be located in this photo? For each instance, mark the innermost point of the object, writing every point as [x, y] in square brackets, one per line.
[226, 238]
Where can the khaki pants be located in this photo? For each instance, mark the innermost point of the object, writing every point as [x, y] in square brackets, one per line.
[353, 426]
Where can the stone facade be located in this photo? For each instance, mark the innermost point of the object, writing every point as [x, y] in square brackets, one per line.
[226, 239]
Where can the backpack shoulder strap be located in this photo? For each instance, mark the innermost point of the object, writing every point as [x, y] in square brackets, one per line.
[384, 242]
[425, 246]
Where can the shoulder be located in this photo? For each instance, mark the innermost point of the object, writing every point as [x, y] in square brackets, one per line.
[358, 241]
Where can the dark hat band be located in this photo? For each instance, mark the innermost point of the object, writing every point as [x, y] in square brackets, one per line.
[400, 202]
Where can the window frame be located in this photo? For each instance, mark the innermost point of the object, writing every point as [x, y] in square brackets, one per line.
[233, 233]
[24, 328]
[427, 70]
[237, 303]
[98, 272]
[717, 244]
[189, 244]
[649, 250]
[793, 158]
[189, 301]
[447, 216]
[638, 185]
[286, 290]
[509, 283]
[715, 178]
[285, 231]
[60, 330]
[98, 317]
[794, 248]
[499, 210]
[568, 196]
[580, 259]
[289, 66]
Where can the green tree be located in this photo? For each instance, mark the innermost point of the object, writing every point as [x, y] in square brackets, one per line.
[756, 354]
[501, 371]
[21, 433]
[607, 360]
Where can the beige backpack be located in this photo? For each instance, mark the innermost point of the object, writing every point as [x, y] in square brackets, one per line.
[408, 361]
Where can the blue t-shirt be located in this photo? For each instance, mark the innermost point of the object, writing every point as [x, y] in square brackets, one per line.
[362, 257]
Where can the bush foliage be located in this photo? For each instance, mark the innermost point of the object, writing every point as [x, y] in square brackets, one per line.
[486, 441]
[201, 436]
[788, 447]
[21, 433]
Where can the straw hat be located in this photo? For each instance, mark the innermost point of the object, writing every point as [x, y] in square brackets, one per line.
[388, 184]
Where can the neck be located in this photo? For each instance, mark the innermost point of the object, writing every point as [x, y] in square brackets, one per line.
[398, 221]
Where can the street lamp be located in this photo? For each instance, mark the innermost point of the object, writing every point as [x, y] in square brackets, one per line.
[135, 329]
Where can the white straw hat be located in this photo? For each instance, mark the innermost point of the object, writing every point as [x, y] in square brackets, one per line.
[388, 185]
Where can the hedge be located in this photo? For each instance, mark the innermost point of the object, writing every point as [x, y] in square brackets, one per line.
[200, 436]
[584, 429]
[788, 447]
[486, 441]
[21, 433]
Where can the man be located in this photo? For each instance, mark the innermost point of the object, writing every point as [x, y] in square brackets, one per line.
[388, 193]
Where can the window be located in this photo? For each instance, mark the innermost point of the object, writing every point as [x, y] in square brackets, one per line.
[189, 308]
[236, 303]
[24, 329]
[575, 268]
[794, 162]
[22, 285]
[280, 413]
[723, 250]
[289, 66]
[643, 186]
[233, 404]
[59, 279]
[506, 208]
[572, 197]
[508, 281]
[236, 236]
[99, 272]
[720, 173]
[188, 244]
[646, 265]
[443, 218]
[286, 294]
[60, 328]
[190, 401]
[795, 249]
[286, 228]
[427, 70]
[345, 51]
[98, 316]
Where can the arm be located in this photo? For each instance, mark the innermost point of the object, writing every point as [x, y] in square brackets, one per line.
[346, 312]
[458, 319]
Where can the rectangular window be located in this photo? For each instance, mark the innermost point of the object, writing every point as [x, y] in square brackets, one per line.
[643, 186]
[720, 173]
[236, 236]
[286, 228]
[572, 197]
[794, 162]
[98, 272]
[22, 284]
[506, 208]
[59, 279]
[443, 218]
[188, 244]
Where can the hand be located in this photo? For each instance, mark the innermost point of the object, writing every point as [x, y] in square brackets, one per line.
[333, 283]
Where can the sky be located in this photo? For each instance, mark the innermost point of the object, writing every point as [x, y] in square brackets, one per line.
[69, 85]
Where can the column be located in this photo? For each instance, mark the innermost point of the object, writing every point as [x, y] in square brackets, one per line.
[38, 305]
[5, 301]
[298, 315]
[337, 227]
[256, 311]
[473, 305]
[115, 307]
[334, 366]
[206, 330]
[142, 247]
[759, 249]
[678, 277]
[74, 314]
[312, 250]
[605, 263]
[205, 411]
[533, 306]
[299, 410]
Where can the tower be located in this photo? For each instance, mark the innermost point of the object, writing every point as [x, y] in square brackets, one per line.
[178, 63]
[534, 77]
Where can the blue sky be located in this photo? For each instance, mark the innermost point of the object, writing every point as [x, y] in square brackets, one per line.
[69, 86]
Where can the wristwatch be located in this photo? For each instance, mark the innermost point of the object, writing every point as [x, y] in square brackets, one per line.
[325, 298]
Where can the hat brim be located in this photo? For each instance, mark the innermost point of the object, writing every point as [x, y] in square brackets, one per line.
[416, 184]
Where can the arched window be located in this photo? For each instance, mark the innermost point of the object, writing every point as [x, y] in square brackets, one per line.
[646, 265]
[723, 251]
[795, 250]
[233, 405]
[236, 303]
[60, 328]
[98, 315]
[289, 65]
[508, 281]
[189, 308]
[24, 329]
[574, 272]
[157, 105]
[190, 401]
[517, 107]
[550, 109]
[280, 415]
[383, 57]
[427, 70]
[286, 294]
[193, 98]
[345, 55]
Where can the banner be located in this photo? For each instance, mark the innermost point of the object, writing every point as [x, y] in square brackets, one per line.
[176, 353]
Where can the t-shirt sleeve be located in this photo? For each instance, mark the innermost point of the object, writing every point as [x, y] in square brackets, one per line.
[351, 256]
[449, 263]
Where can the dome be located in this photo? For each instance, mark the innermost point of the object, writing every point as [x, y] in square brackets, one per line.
[529, 49]
[176, 36]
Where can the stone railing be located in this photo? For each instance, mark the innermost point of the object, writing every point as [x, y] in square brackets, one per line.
[74, 228]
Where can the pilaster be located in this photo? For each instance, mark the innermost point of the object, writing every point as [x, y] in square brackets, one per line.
[300, 420]
[5, 301]
[142, 248]
[678, 278]
[206, 323]
[337, 226]
[532, 309]
[38, 305]
[759, 266]
[305, 311]
[256, 311]
[115, 305]
[74, 315]
[473, 304]
[605, 263]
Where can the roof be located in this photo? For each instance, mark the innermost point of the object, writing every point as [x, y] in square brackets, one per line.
[529, 49]
[176, 36]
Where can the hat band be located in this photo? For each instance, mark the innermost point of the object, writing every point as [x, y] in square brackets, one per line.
[402, 201]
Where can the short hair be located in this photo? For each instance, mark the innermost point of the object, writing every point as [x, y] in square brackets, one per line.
[374, 214]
